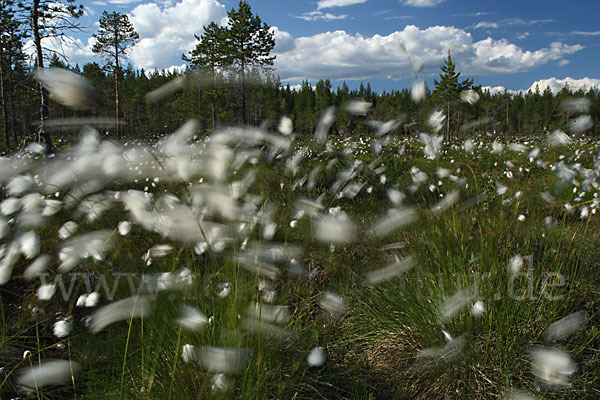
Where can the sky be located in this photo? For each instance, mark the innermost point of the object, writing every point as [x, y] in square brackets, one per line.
[508, 44]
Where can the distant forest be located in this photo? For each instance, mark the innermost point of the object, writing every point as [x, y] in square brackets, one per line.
[267, 101]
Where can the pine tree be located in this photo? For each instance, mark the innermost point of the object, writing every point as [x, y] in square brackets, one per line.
[250, 43]
[115, 36]
[48, 18]
[211, 53]
[448, 88]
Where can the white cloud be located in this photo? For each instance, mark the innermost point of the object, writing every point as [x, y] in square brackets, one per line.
[337, 3]
[423, 3]
[123, 1]
[556, 84]
[166, 32]
[485, 24]
[511, 22]
[71, 50]
[340, 55]
[318, 15]
[563, 62]
[584, 33]
[498, 90]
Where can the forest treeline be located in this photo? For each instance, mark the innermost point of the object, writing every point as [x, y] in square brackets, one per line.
[230, 81]
[267, 101]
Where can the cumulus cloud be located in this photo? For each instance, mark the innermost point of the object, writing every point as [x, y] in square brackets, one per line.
[337, 3]
[69, 49]
[167, 31]
[340, 55]
[556, 84]
[423, 3]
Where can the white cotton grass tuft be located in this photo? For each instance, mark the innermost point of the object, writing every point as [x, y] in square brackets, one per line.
[324, 125]
[468, 146]
[501, 189]
[515, 264]
[558, 138]
[455, 303]
[62, 328]
[334, 304]
[436, 119]
[68, 229]
[124, 228]
[165, 90]
[269, 313]
[29, 243]
[189, 353]
[396, 197]
[19, 185]
[552, 367]
[316, 357]
[395, 219]
[390, 271]
[478, 309]
[223, 359]
[576, 105]
[566, 326]
[37, 267]
[497, 147]
[469, 96]
[45, 292]
[131, 307]
[286, 126]
[192, 319]
[581, 123]
[448, 201]
[88, 300]
[67, 88]
[48, 372]
[519, 395]
[418, 91]
[335, 229]
[433, 145]
[357, 107]
[10, 206]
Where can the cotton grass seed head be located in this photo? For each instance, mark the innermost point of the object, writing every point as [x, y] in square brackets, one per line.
[552, 367]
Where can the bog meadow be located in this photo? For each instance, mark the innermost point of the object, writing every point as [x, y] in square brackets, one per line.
[215, 234]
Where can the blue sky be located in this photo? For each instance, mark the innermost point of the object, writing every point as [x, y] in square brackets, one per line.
[499, 43]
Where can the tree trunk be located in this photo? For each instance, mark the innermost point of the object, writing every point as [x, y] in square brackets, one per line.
[37, 39]
[243, 65]
[117, 91]
[3, 99]
[448, 123]
[212, 101]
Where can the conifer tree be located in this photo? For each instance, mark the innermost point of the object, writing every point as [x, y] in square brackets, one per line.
[448, 88]
[211, 53]
[45, 19]
[250, 43]
[115, 36]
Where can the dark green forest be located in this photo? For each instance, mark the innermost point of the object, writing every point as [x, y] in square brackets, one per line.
[221, 91]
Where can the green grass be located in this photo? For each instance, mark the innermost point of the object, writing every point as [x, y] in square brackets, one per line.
[372, 349]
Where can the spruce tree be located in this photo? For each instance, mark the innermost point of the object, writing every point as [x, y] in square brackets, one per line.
[448, 89]
[115, 36]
